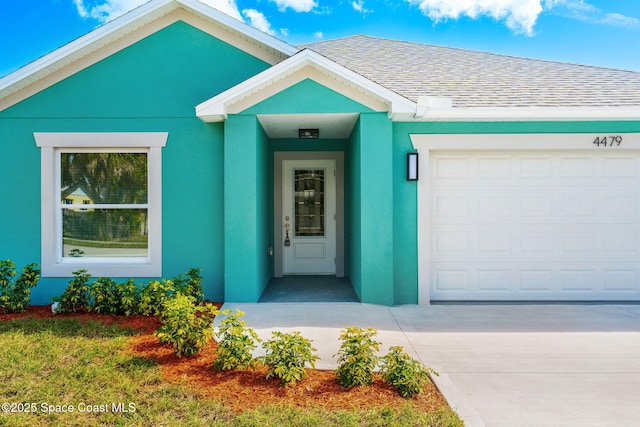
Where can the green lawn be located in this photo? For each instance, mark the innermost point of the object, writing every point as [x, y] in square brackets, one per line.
[51, 367]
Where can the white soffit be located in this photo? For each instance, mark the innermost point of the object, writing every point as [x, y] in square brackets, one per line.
[306, 64]
[129, 29]
[331, 126]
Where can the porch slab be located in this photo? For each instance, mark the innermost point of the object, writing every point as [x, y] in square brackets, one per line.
[309, 289]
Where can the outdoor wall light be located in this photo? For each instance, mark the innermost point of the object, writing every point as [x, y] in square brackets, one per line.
[412, 166]
[308, 133]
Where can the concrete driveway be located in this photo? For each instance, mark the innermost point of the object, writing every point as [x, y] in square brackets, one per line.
[500, 365]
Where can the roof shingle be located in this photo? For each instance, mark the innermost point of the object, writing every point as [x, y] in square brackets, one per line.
[480, 79]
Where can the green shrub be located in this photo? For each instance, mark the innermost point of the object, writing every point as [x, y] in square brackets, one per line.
[236, 342]
[109, 297]
[287, 355]
[154, 295]
[190, 284]
[404, 373]
[357, 357]
[186, 326]
[15, 296]
[129, 293]
[76, 296]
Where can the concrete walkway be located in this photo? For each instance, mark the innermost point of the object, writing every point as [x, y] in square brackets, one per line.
[500, 365]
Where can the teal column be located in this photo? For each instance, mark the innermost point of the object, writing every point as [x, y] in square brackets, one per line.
[376, 209]
[242, 278]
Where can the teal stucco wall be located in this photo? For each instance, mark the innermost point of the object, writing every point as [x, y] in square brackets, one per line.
[151, 86]
[375, 234]
[246, 223]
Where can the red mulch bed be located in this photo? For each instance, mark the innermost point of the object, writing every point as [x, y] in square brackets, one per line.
[242, 390]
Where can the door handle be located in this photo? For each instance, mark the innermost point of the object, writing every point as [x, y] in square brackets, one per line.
[287, 241]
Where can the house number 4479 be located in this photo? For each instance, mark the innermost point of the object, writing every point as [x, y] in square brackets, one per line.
[608, 141]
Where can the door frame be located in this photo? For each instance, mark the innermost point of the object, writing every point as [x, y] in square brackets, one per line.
[278, 229]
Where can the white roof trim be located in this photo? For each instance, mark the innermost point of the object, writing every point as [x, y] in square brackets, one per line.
[529, 114]
[216, 109]
[127, 24]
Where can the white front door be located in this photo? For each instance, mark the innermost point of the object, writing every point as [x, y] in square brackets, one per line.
[309, 216]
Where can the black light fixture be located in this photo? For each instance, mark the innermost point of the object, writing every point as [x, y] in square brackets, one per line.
[308, 133]
[412, 166]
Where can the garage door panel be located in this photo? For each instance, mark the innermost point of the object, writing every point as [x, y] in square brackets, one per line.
[526, 225]
[620, 166]
[620, 281]
[533, 168]
[543, 244]
[596, 205]
[486, 281]
[536, 282]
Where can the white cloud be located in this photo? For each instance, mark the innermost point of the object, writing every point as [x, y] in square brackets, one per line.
[297, 5]
[106, 10]
[258, 20]
[619, 20]
[358, 6]
[574, 9]
[225, 6]
[318, 35]
[586, 12]
[518, 15]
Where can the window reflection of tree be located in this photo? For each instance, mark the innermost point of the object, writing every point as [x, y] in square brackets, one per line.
[106, 178]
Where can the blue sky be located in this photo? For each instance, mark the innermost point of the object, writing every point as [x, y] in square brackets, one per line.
[594, 32]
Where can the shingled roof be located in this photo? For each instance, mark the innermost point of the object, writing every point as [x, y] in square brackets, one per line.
[480, 79]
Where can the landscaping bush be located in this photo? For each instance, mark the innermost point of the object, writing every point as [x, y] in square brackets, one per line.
[185, 325]
[106, 296]
[109, 297]
[287, 355]
[404, 373]
[190, 284]
[236, 342]
[15, 296]
[357, 357]
[76, 296]
[154, 295]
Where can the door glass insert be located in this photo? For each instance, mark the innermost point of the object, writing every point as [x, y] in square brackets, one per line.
[309, 202]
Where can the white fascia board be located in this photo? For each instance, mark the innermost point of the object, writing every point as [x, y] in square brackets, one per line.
[531, 114]
[215, 109]
[123, 25]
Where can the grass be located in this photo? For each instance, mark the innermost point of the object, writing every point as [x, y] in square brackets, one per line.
[48, 363]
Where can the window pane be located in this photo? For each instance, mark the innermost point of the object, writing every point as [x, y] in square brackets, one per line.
[105, 232]
[101, 178]
[309, 202]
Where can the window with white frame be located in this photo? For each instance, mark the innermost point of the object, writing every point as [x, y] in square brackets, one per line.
[101, 203]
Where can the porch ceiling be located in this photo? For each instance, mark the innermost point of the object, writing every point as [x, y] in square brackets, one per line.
[331, 126]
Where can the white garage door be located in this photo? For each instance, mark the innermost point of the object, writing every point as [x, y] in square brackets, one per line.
[534, 225]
